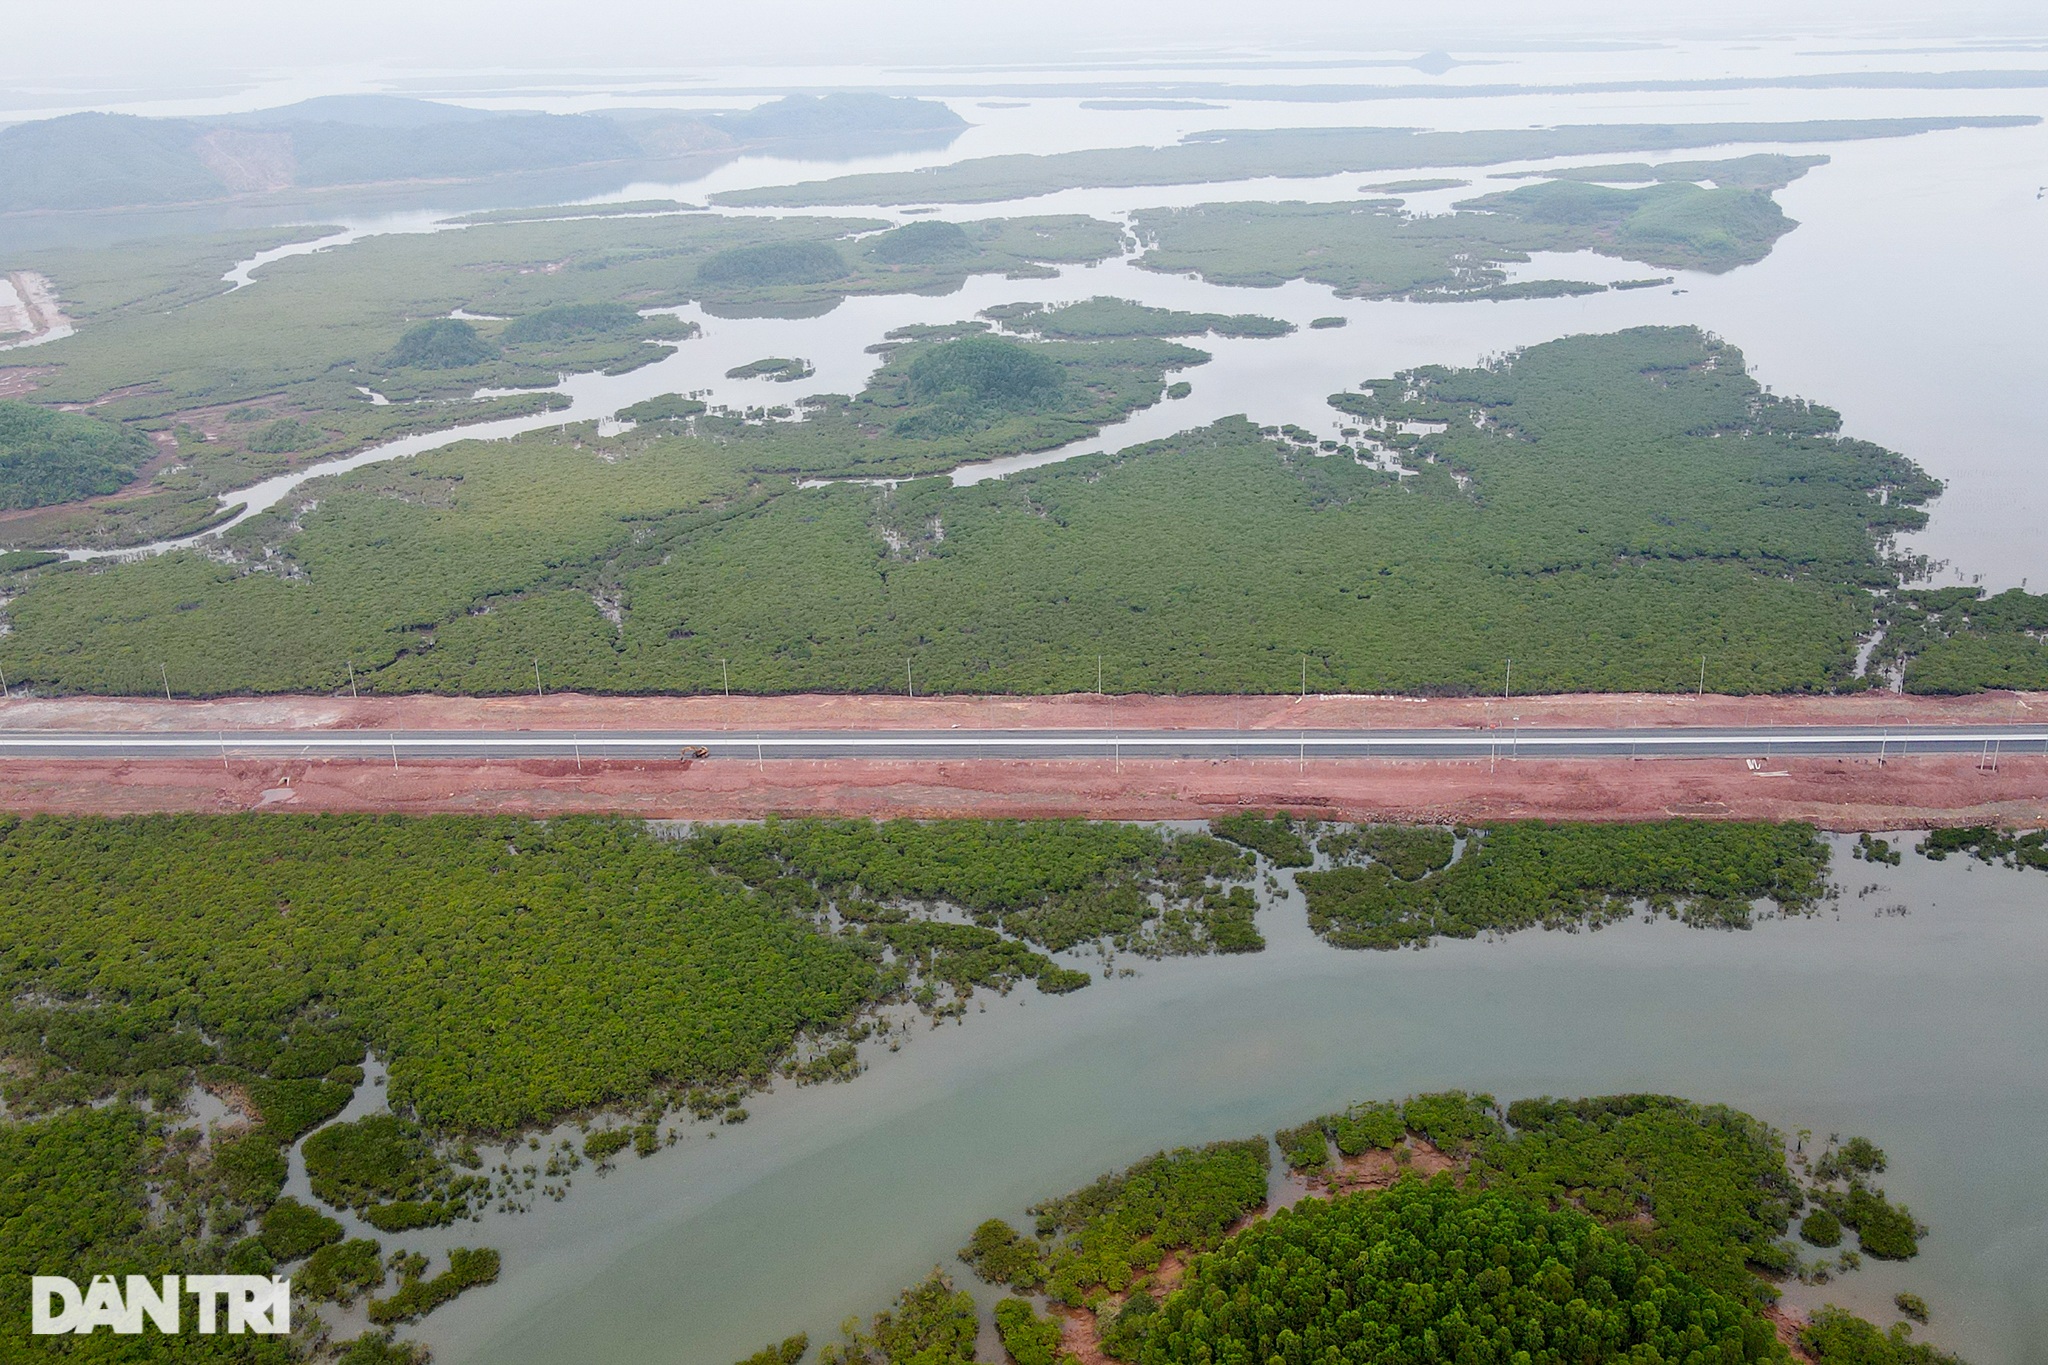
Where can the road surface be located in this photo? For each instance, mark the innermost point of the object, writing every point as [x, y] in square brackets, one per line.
[1989, 741]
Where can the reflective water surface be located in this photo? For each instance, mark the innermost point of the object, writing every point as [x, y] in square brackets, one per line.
[1921, 1030]
[1909, 298]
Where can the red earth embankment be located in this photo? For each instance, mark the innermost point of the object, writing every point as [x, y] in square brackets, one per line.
[1848, 794]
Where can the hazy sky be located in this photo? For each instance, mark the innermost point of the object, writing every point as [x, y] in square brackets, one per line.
[173, 44]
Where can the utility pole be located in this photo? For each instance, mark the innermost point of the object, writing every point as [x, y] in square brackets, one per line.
[1703, 677]
[3, 686]
[1304, 677]
[165, 670]
[909, 683]
[538, 691]
[1509, 682]
[725, 672]
[351, 679]
[1098, 675]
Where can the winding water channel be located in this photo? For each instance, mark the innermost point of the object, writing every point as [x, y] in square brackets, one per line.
[1942, 229]
[1911, 1014]
[1910, 298]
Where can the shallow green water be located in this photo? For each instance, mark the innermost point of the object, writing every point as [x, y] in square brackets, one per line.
[1923, 1031]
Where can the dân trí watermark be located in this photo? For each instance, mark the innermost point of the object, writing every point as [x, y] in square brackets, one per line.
[231, 1304]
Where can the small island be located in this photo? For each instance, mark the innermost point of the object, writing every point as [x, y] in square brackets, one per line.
[1444, 1226]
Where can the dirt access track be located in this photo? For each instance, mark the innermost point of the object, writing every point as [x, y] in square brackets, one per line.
[1835, 793]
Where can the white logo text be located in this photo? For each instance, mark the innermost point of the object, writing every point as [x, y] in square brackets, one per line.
[261, 1304]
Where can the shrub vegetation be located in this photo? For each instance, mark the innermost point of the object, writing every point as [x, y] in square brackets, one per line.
[1560, 549]
[1466, 1274]
[49, 457]
[1102, 318]
[1947, 641]
[1522, 875]
[1623, 1228]
[441, 344]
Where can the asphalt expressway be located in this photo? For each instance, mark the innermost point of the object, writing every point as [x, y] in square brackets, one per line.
[1988, 742]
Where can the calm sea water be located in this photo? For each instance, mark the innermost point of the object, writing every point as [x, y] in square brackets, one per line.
[1922, 1031]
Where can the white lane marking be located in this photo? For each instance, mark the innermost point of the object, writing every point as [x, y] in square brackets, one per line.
[1538, 741]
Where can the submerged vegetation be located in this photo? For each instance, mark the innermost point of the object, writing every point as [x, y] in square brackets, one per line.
[1099, 319]
[698, 962]
[262, 957]
[1947, 641]
[1375, 250]
[1517, 876]
[1675, 224]
[1988, 844]
[1240, 154]
[396, 334]
[1052, 883]
[1536, 524]
[1836, 1336]
[1758, 171]
[1105, 1236]
[1619, 1228]
[1275, 836]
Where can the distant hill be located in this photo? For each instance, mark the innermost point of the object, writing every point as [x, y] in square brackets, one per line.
[93, 160]
[98, 161]
[363, 111]
[819, 122]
